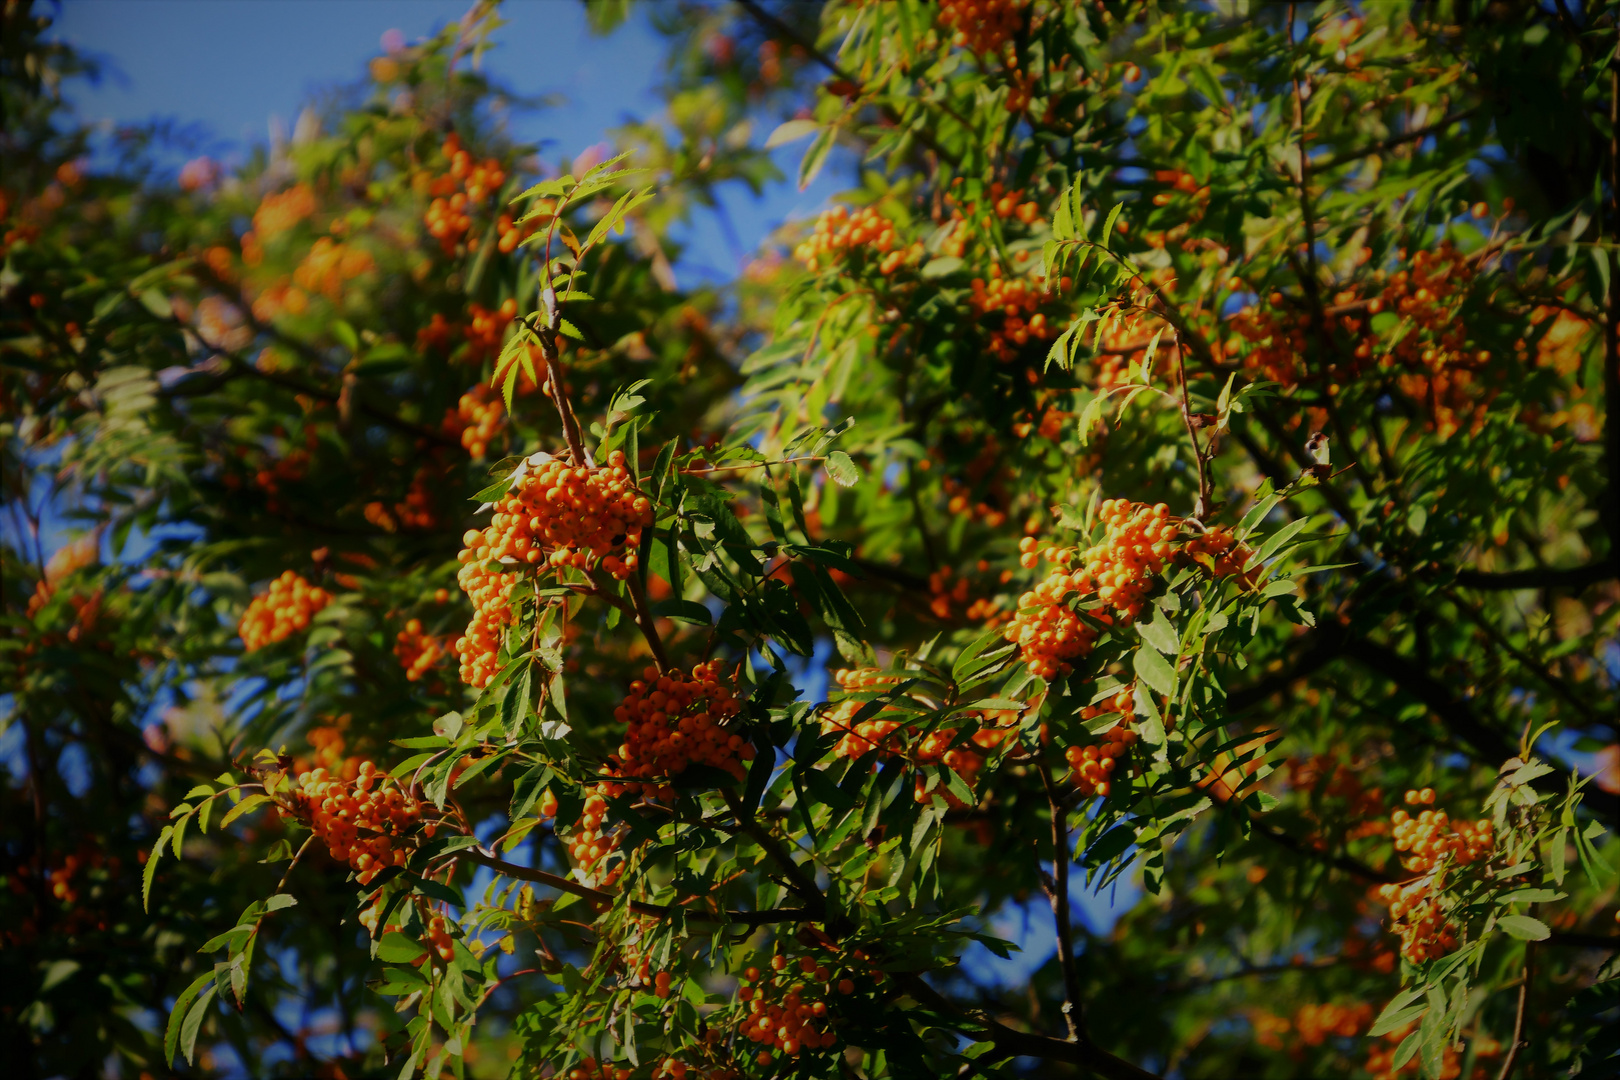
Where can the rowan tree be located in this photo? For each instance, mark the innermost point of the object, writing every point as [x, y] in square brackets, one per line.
[1179, 460]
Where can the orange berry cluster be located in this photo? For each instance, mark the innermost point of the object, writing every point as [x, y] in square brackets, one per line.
[961, 502]
[676, 1069]
[417, 651]
[486, 329]
[565, 515]
[784, 1013]
[1014, 299]
[476, 419]
[965, 761]
[438, 333]
[837, 231]
[1136, 547]
[447, 219]
[1121, 343]
[591, 1069]
[887, 730]
[1316, 1022]
[1440, 367]
[982, 26]
[1220, 551]
[362, 822]
[1431, 836]
[439, 940]
[329, 264]
[1364, 804]
[1092, 766]
[1139, 542]
[280, 611]
[1049, 635]
[1381, 1057]
[490, 591]
[674, 721]
[946, 595]
[1419, 920]
[589, 843]
[281, 210]
[876, 732]
[512, 234]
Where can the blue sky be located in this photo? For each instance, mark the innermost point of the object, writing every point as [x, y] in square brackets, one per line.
[229, 68]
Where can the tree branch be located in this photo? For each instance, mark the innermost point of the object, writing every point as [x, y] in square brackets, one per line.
[1568, 577]
[1014, 1043]
[1396, 140]
[800, 883]
[1519, 1040]
[1058, 894]
[657, 911]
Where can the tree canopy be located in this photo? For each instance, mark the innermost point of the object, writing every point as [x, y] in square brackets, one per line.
[441, 640]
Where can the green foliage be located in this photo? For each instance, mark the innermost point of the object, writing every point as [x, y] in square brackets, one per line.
[1177, 432]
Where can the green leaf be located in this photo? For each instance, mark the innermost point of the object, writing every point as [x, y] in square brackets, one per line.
[177, 1017]
[816, 157]
[1063, 220]
[151, 865]
[1106, 237]
[1387, 1021]
[791, 131]
[1153, 670]
[842, 469]
[1160, 634]
[1524, 927]
[1405, 1051]
[194, 1022]
[396, 948]
[1278, 539]
[247, 805]
[687, 611]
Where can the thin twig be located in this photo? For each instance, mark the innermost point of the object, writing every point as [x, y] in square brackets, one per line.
[657, 911]
[1058, 893]
[1519, 1041]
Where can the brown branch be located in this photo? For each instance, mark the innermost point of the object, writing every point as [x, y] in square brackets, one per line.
[1058, 894]
[856, 87]
[1519, 1041]
[1397, 140]
[1010, 1042]
[798, 881]
[644, 620]
[1202, 508]
[1565, 577]
[1573, 940]
[657, 911]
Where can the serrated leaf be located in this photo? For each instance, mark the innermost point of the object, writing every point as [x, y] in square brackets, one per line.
[177, 1016]
[842, 469]
[194, 1022]
[1524, 927]
[1153, 670]
[247, 805]
[151, 865]
[1107, 235]
[1160, 634]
